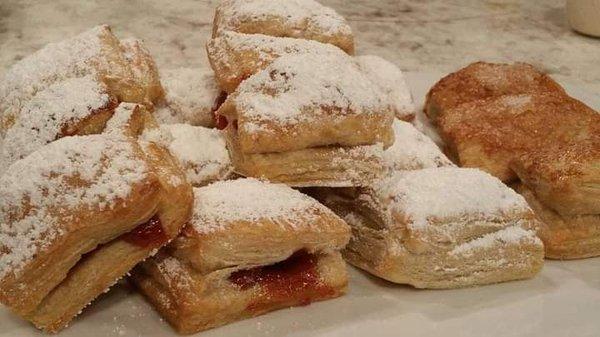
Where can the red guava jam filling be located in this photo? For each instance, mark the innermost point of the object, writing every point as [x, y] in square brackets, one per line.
[148, 234]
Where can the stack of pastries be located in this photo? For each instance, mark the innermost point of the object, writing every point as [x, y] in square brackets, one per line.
[231, 192]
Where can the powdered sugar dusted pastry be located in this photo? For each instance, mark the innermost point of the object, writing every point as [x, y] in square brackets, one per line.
[251, 247]
[484, 80]
[201, 151]
[489, 133]
[78, 214]
[304, 105]
[305, 19]
[236, 56]
[95, 52]
[440, 228]
[191, 95]
[74, 106]
[412, 150]
[145, 72]
[561, 184]
[390, 80]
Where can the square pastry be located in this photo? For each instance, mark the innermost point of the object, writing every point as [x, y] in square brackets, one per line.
[305, 19]
[307, 113]
[439, 228]
[251, 247]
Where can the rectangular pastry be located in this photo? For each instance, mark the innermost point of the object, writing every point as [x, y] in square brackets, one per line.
[77, 215]
[491, 132]
[305, 19]
[439, 228]
[481, 80]
[251, 247]
[561, 183]
[306, 103]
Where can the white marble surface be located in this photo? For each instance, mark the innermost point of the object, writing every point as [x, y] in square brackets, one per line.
[434, 35]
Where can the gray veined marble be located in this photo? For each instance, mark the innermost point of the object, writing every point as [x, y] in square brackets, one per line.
[433, 36]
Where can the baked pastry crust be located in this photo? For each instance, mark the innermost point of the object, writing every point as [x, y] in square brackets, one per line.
[305, 19]
[306, 101]
[214, 272]
[565, 237]
[145, 72]
[439, 228]
[236, 56]
[202, 152]
[390, 80]
[485, 80]
[491, 132]
[76, 215]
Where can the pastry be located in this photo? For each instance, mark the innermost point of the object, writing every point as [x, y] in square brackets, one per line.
[77, 215]
[439, 228]
[75, 106]
[562, 185]
[191, 95]
[489, 133]
[145, 72]
[305, 19]
[251, 247]
[95, 52]
[236, 56]
[390, 80]
[305, 109]
[202, 152]
[412, 150]
[484, 80]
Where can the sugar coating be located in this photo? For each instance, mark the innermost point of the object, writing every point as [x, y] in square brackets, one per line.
[514, 235]
[121, 118]
[306, 14]
[174, 272]
[43, 118]
[390, 80]
[219, 204]
[201, 151]
[40, 193]
[284, 91]
[190, 96]
[412, 150]
[447, 193]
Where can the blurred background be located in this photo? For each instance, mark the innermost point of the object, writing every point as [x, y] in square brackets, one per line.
[436, 36]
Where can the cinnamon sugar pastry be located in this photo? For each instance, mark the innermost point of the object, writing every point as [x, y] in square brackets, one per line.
[96, 52]
[251, 247]
[485, 80]
[78, 214]
[489, 133]
[439, 228]
[76, 106]
[391, 81]
[236, 56]
[306, 108]
[191, 95]
[562, 185]
[305, 19]
[145, 72]
[202, 152]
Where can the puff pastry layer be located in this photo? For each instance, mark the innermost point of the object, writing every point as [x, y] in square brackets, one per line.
[145, 72]
[251, 247]
[306, 19]
[439, 228]
[77, 215]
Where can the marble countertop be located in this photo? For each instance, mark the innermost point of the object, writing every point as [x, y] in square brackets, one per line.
[431, 36]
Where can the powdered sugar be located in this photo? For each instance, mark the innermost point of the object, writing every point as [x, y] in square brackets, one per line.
[249, 200]
[46, 116]
[412, 150]
[190, 96]
[299, 15]
[447, 193]
[284, 91]
[40, 194]
[390, 80]
[513, 235]
[201, 151]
